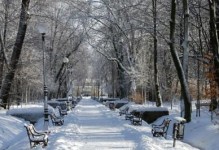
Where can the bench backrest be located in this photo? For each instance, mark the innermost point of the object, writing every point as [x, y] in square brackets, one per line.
[30, 131]
[62, 111]
[166, 124]
[52, 116]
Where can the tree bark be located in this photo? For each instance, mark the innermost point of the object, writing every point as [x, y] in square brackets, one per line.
[214, 69]
[117, 46]
[217, 17]
[156, 80]
[185, 43]
[214, 37]
[178, 65]
[3, 41]
[8, 79]
[185, 89]
[1, 64]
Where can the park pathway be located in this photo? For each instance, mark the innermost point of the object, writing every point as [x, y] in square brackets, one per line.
[92, 126]
[99, 129]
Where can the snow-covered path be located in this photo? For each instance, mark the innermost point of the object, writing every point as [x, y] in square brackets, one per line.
[92, 126]
[99, 129]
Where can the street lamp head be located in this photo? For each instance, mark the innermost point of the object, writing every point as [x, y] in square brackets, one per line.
[41, 28]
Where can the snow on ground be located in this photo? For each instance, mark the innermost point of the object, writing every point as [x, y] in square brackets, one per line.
[92, 126]
[9, 126]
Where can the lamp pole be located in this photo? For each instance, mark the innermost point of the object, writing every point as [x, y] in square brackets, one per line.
[46, 112]
[65, 61]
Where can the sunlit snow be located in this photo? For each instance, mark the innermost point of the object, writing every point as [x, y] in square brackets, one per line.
[92, 126]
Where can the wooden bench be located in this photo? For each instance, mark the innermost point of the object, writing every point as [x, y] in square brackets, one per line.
[62, 112]
[161, 130]
[137, 118]
[122, 112]
[36, 137]
[111, 106]
[128, 116]
[56, 121]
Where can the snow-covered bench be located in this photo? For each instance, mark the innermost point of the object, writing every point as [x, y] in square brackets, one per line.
[128, 116]
[62, 112]
[122, 112]
[137, 118]
[36, 137]
[161, 130]
[56, 120]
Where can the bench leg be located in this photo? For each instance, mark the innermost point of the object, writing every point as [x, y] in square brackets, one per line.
[45, 143]
[156, 134]
[31, 145]
[136, 122]
[165, 135]
[34, 144]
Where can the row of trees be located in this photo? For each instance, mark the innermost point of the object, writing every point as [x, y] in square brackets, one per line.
[142, 45]
[143, 40]
[21, 63]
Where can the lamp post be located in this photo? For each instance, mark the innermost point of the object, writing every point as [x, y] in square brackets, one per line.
[45, 91]
[65, 61]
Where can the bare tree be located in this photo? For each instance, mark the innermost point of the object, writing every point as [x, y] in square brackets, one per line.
[214, 48]
[179, 68]
[156, 80]
[3, 37]
[24, 16]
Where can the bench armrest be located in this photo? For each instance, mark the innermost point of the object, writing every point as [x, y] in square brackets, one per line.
[39, 134]
[157, 126]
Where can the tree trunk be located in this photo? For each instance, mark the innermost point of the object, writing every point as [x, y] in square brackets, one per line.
[217, 17]
[113, 79]
[120, 71]
[121, 78]
[178, 65]
[213, 90]
[186, 95]
[8, 79]
[214, 37]
[214, 25]
[185, 43]
[1, 65]
[156, 80]
[3, 41]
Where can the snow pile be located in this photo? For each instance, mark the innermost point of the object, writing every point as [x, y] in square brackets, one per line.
[9, 127]
[30, 113]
